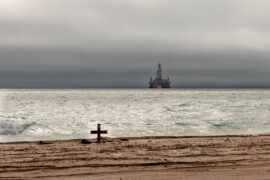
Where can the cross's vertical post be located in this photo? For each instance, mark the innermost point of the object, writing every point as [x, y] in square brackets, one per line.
[98, 134]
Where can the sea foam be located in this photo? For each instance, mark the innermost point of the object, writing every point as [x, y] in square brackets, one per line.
[2, 99]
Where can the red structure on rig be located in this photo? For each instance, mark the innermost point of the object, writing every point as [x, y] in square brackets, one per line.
[158, 82]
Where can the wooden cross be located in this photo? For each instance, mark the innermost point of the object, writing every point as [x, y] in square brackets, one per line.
[99, 132]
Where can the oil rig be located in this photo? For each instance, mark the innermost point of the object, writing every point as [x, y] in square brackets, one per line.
[158, 82]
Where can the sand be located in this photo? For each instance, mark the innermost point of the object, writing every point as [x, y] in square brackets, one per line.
[224, 157]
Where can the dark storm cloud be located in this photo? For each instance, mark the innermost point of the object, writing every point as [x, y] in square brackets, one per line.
[96, 43]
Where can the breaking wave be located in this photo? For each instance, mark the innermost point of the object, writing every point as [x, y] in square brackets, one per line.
[11, 128]
[182, 124]
[227, 126]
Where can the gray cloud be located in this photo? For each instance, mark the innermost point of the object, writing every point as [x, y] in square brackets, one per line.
[98, 43]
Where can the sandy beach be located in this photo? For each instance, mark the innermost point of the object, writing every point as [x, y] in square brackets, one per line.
[223, 157]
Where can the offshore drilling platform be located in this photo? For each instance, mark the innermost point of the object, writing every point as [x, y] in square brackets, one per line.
[158, 82]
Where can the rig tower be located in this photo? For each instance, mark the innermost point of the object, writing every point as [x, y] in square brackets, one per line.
[158, 82]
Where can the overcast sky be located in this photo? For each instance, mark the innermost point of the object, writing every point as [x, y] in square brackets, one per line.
[118, 43]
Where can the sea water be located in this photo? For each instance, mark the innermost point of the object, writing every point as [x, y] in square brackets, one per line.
[64, 114]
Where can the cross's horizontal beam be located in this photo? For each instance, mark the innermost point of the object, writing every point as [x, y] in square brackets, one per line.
[99, 132]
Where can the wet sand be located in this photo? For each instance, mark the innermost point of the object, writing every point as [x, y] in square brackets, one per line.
[224, 157]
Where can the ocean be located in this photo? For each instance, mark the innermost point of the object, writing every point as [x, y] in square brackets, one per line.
[34, 114]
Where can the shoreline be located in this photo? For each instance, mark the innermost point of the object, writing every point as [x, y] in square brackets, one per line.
[138, 137]
[173, 157]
